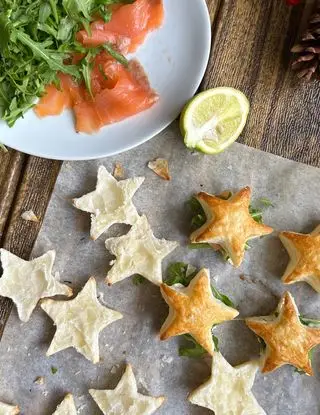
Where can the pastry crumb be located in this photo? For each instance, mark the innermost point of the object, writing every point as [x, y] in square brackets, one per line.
[160, 167]
[167, 359]
[113, 369]
[118, 171]
[30, 216]
[39, 380]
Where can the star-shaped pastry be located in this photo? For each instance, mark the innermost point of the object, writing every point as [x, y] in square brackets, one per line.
[79, 322]
[288, 341]
[125, 398]
[6, 409]
[194, 310]
[25, 282]
[304, 252]
[110, 203]
[228, 391]
[66, 407]
[229, 224]
[138, 252]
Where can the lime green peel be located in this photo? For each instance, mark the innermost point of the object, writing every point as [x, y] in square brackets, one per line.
[214, 119]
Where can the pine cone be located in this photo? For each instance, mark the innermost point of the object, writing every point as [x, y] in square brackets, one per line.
[307, 61]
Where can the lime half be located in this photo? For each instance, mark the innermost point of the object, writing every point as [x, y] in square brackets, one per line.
[214, 119]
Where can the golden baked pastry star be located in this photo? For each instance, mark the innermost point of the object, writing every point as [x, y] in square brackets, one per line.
[288, 341]
[304, 252]
[229, 224]
[194, 310]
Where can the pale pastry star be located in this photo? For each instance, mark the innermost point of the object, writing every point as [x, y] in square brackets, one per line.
[66, 407]
[138, 252]
[194, 310]
[229, 224]
[125, 398]
[6, 409]
[288, 341]
[228, 391]
[25, 282]
[304, 252]
[110, 203]
[79, 322]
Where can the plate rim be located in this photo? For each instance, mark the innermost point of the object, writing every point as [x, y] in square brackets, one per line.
[155, 132]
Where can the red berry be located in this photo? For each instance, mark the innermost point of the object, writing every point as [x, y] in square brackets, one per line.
[293, 2]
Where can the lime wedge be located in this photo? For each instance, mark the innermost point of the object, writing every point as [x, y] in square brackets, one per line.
[214, 119]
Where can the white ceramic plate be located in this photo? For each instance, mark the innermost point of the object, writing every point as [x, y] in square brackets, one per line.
[174, 57]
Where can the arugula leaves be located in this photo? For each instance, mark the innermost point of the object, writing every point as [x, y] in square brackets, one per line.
[55, 60]
[199, 217]
[37, 40]
[266, 202]
[4, 31]
[76, 9]
[138, 279]
[222, 297]
[3, 148]
[200, 246]
[181, 273]
[257, 212]
[310, 322]
[86, 69]
[195, 350]
[116, 55]
[54, 370]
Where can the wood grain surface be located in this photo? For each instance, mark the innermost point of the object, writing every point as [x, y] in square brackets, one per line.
[11, 164]
[27, 182]
[251, 51]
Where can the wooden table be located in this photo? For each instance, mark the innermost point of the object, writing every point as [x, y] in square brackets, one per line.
[251, 41]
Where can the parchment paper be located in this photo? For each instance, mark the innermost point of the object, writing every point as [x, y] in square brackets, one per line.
[255, 287]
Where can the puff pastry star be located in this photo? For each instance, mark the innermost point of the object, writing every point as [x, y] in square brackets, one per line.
[6, 409]
[125, 398]
[228, 391]
[138, 252]
[25, 282]
[79, 322]
[194, 310]
[66, 407]
[110, 203]
[229, 224]
[304, 252]
[288, 341]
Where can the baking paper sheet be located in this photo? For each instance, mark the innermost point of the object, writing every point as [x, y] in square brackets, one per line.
[255, 287]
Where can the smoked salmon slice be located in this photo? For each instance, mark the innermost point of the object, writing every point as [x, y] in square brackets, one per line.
[52, 103]
[131, 95]
[56, 100]
[128, 28]
[87, 119]
[118, 93]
